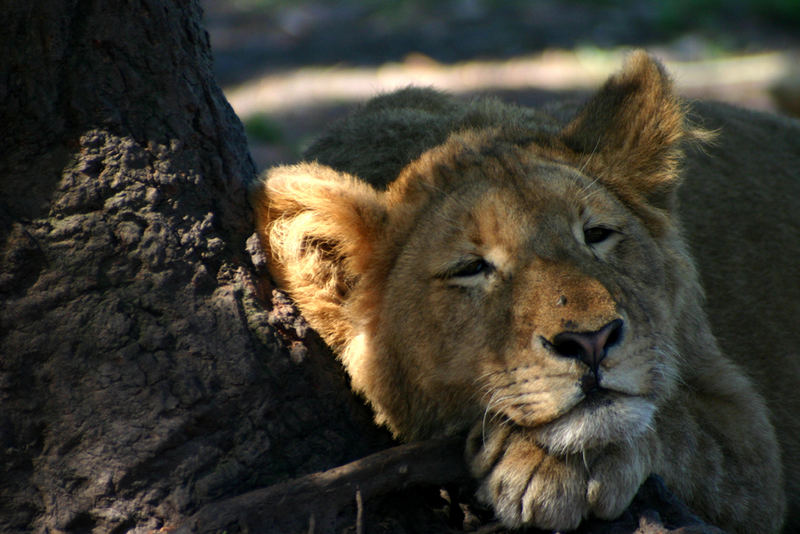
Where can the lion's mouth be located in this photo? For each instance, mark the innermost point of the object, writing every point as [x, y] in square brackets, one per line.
[595, 416]
[598, 397]
[590, 384]
[595, 394]
[602, 417]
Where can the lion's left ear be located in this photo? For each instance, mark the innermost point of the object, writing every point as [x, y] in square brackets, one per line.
[628, 136]
[319, 228]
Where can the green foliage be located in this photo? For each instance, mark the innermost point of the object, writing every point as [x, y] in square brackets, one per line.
[675, 15]
[260, 127]
[785, 11]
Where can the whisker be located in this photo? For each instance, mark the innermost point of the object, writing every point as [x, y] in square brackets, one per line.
[589, 157]
[490, 373]
[492, 401]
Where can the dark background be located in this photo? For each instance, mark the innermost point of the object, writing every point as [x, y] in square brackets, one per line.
[290, 66]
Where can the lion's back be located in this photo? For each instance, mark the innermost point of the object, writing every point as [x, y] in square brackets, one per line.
[740, 207]
[390, 131]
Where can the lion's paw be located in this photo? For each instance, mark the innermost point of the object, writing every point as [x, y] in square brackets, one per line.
[615, 477]
[526, 486]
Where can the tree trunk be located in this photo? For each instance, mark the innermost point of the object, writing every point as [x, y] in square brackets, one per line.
[140, 375]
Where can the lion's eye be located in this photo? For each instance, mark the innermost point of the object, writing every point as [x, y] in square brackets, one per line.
[467, 269]
[596, 234]
[471, 268]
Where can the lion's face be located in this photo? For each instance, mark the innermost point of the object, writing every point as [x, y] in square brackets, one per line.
[532, 295]
[506, 274]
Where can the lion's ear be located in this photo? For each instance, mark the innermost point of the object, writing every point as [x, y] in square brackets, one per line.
[628, 135]
[319, 228]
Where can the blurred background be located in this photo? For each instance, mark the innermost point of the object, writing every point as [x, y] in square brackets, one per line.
[290, 67]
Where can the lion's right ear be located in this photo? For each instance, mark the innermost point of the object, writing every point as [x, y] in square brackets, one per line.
[319, 228]
[630, 137]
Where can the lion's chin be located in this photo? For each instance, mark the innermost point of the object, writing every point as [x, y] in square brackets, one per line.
[597, 422]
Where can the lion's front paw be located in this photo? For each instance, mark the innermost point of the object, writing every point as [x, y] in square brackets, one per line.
[523, 484]
[615, 477]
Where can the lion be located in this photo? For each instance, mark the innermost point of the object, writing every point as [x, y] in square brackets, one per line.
[535, 280]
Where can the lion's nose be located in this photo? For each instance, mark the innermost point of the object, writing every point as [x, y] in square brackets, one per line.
[589, 347]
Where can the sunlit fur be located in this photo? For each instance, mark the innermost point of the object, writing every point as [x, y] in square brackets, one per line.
[441, 249]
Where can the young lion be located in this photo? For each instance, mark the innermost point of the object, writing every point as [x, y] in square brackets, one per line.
[524, 277]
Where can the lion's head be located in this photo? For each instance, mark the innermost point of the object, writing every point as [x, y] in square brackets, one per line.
[533, 275]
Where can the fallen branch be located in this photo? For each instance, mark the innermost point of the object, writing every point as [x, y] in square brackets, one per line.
[312, 503]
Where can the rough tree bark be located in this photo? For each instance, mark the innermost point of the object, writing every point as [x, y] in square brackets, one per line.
[146, 374]
[139, 374]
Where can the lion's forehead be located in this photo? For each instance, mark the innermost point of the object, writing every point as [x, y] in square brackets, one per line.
[507, 219]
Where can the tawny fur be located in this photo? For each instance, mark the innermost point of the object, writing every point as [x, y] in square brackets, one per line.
[443, 249]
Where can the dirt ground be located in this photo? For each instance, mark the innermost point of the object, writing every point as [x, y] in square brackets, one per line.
[289, 68]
